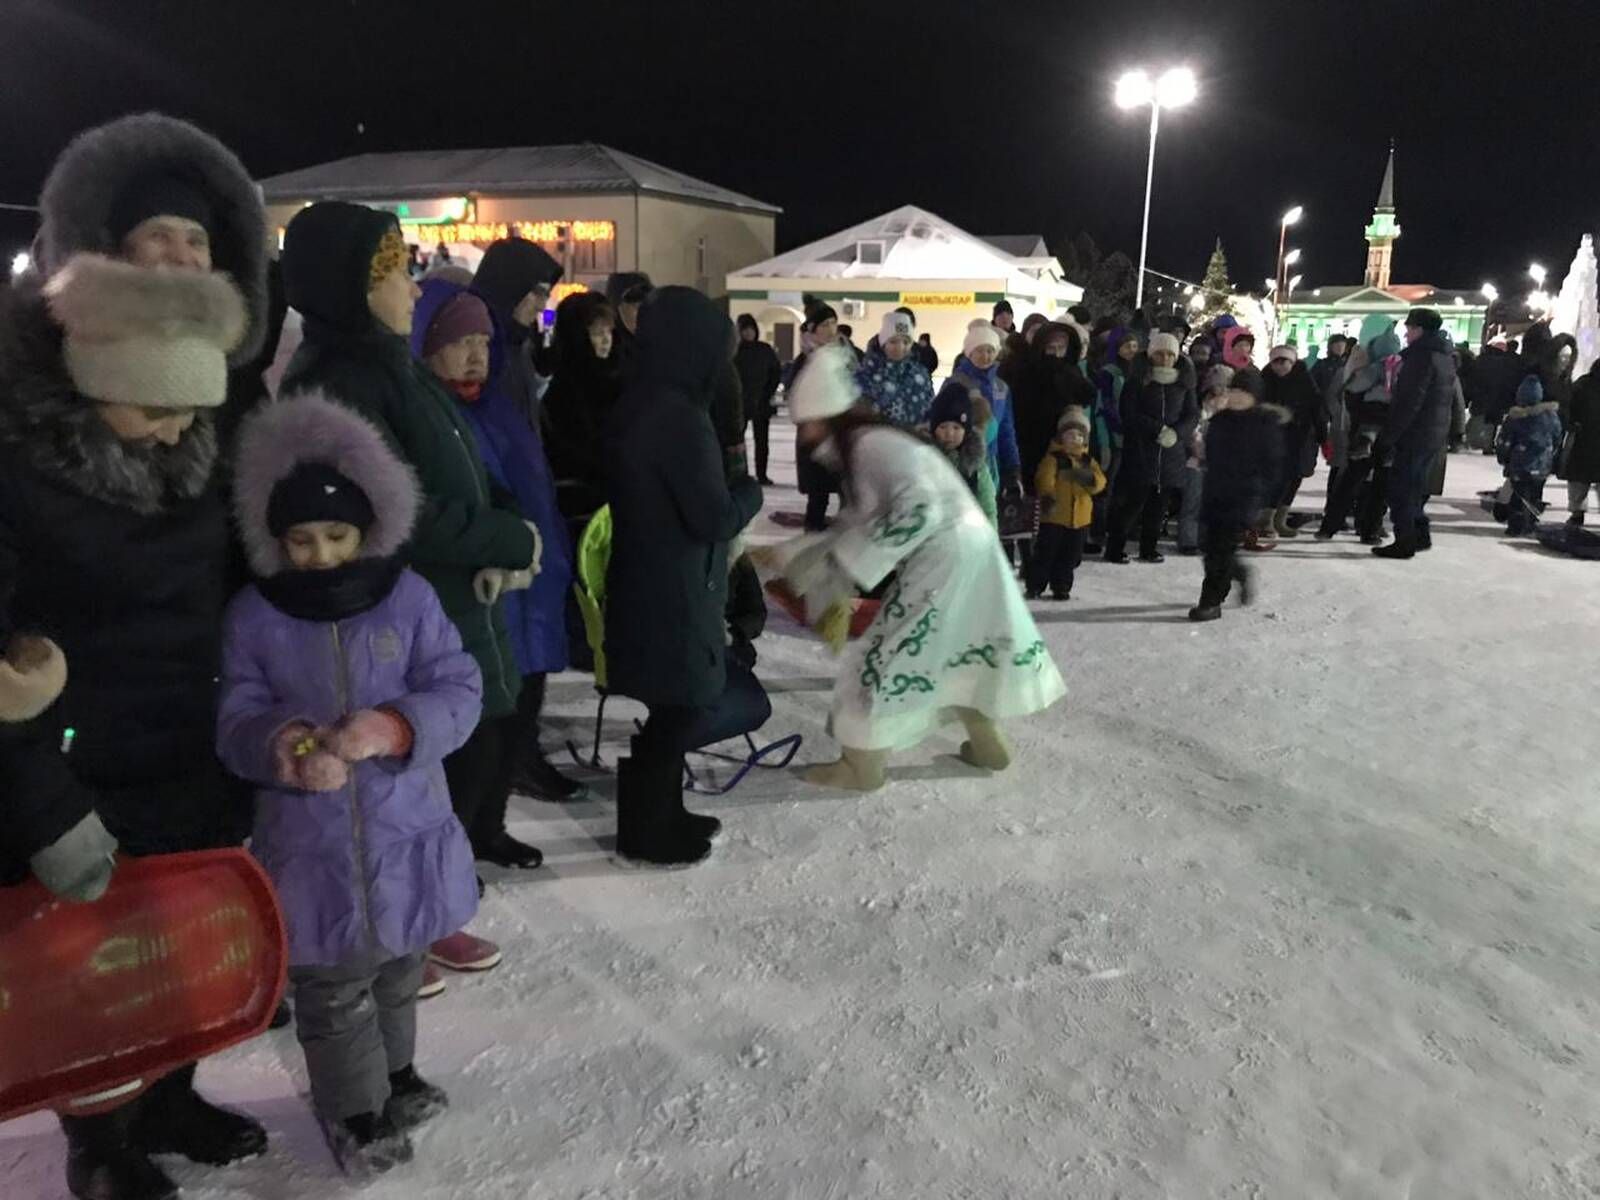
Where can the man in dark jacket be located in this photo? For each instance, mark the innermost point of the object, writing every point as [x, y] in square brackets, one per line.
[114, 545]
[1418, 428]
[338, 266]
[515, 279]
[673, 515]
[759, 377]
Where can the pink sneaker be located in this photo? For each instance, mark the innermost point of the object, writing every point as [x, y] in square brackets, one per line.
[463, 952]
[432, 982]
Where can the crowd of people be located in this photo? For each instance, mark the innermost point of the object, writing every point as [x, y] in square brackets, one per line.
[1098, 433]
[313, 607]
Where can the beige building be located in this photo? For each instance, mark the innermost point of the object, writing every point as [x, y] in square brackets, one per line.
[597, 210]
[906, 257]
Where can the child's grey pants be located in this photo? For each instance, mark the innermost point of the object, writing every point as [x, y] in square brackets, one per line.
[357, 1025]
[1189, 514]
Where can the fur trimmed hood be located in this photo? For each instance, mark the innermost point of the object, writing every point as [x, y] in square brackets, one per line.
[152, 336]
[75, 204]
[46, 423]
[308, 427]
[33, 674]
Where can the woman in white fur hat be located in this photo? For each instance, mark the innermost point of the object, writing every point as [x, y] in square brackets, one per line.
[952, 638]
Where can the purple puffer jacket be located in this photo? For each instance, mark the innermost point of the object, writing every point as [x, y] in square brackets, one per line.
[383, 867]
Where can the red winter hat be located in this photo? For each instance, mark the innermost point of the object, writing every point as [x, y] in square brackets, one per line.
[461, 316]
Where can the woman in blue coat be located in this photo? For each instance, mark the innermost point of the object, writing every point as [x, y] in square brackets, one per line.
[456, 335]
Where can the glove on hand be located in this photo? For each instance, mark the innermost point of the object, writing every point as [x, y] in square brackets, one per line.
[302, 761]
[33, 674]
[487, 585]
[371, 733]
[1083, 475]
[78, 864]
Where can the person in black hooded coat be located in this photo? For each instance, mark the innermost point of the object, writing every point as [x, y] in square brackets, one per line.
[1244, 463]
[1046, 383]
[673, 514]
[514, 280]
[1287, 383]
[577, 406]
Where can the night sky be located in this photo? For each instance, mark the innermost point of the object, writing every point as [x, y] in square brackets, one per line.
[996, 116]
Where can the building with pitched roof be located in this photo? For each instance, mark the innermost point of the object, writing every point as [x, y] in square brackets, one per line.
[595, 208]
[908, 257]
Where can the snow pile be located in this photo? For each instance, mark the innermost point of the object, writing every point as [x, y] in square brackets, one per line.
[1304, 903]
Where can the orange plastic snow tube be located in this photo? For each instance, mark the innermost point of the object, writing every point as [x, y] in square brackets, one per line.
[182, 957]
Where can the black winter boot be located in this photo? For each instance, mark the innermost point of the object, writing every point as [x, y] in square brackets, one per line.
[537, 777]
[367, 1144]
[1401, 547]
[173, 1118]
[650, 815]
[1205, 612]
[503, 850]
[103, 1164]
[413, 1101]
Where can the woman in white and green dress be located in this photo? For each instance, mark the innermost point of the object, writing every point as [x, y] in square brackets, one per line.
[952, 638]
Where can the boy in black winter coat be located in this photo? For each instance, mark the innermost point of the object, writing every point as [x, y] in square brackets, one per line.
[1244, 446]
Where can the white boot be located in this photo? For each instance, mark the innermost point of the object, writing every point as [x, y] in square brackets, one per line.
[985, 747]
[856, 771]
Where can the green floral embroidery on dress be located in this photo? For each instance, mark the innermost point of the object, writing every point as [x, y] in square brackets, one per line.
[897, 535]
[986, 654]
[911, 644]
[892, 608]
[1030, 657]
[870, 678]
[910, 683]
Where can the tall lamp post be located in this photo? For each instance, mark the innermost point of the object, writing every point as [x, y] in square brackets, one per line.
[1292, 217]
[1174, 89]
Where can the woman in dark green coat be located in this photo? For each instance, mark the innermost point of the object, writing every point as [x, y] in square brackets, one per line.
[344, 271]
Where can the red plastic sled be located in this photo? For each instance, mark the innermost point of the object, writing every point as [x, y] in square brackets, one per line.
[182, 957]
[862, 611]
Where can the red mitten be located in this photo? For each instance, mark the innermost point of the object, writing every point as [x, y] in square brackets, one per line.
[321, 771]
[292, 744]
[371, 733]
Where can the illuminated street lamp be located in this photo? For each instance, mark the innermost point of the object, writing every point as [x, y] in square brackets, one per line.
[1292, 217]
[1537, 274]
[1490, 292]
[1288, 295]
[20, 263]
[1175, 88]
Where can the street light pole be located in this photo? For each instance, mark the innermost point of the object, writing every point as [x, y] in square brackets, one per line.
[1175, 88]
[1149, 185]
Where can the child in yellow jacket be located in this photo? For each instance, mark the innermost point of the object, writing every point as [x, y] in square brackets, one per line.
[1067, 481]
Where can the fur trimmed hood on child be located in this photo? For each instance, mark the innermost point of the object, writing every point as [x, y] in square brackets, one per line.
[310, 428]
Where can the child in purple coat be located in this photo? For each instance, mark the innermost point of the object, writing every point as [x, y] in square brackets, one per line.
[344, 686]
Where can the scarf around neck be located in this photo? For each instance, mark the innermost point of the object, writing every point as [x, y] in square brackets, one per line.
[335, 595]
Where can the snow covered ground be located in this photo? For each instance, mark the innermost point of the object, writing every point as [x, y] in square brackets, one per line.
[1300, 904]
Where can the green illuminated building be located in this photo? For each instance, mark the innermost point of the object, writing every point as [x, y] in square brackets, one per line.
[1309, 318]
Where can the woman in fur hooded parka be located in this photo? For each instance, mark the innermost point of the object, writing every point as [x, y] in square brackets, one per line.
[114, 544]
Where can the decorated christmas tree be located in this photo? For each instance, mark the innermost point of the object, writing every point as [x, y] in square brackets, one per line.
[1215, 289]
[1577, 308]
